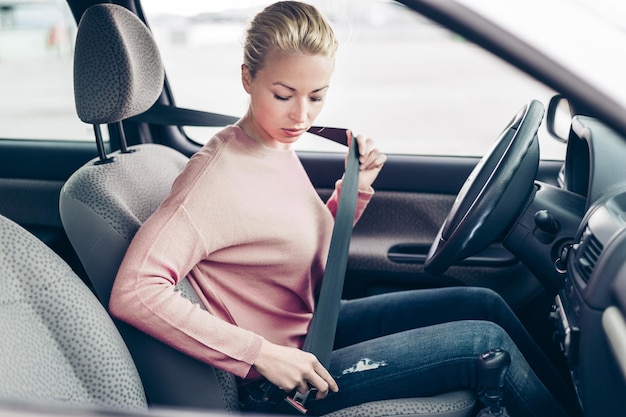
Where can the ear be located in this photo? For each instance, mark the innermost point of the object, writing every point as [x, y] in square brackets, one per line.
[246, 78]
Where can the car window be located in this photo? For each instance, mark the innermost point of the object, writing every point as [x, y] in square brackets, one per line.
[413, 86]
[36, 65]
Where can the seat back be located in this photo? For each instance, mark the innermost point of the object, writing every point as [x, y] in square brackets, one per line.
[58, 342]
[118, 74]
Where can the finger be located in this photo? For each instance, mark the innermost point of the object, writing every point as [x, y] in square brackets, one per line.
[379, 161]
[320, 385]
[370, 151]
[329, 381]
[303, 387]
[370, 157]
[332, 384]
[319, 395]
[365, 145]
[375, 160]
[349, 138]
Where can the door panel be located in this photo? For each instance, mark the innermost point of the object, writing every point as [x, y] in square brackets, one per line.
[391, 240]
[32, 173]
[43, 159]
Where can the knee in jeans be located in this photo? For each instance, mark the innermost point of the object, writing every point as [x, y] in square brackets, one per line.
[488, 297]
[496, 336]
[486, 293]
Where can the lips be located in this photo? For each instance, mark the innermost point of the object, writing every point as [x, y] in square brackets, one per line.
[293, 133]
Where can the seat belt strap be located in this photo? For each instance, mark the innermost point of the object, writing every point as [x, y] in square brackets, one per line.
[321, 335]
[161, 114]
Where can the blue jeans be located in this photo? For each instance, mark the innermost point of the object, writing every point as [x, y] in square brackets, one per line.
[426, 342]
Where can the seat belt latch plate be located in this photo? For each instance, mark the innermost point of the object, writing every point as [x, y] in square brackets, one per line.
[298, 400]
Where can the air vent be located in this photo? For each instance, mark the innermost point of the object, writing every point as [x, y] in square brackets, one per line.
[590, 251]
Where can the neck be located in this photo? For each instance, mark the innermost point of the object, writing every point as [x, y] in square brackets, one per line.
[255, 132]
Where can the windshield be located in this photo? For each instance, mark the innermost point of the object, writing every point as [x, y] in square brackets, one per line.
[587, 37]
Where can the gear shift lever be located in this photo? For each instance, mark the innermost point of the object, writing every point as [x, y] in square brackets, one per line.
[491, 370]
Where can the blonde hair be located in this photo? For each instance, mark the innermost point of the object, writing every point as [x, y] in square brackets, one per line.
[291, 27]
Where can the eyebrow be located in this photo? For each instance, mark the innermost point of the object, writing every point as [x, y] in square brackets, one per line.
[294, 90]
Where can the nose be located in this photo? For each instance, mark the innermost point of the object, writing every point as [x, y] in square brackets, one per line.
[299, 111]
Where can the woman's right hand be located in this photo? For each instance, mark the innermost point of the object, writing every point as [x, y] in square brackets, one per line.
[290, 368]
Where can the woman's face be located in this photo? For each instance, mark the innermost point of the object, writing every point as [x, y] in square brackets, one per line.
[286, 96]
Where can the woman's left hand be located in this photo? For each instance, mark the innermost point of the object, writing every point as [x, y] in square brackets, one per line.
[372, 160]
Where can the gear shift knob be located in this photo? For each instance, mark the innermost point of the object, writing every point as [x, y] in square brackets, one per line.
[491, 372]
[492, 367]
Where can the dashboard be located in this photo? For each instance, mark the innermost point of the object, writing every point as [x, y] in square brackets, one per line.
[590, 308]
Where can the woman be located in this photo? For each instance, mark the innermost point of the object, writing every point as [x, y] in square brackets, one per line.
[245, 225]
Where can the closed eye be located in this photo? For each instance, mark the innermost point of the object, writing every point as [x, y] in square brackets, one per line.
[281, 98]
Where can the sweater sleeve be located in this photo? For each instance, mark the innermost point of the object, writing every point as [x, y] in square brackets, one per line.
[163, 251]
[363, 200]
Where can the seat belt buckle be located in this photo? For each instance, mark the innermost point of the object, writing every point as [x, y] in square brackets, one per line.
[298, 400]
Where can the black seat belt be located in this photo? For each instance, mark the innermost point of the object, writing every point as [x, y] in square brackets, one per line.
[321, 335]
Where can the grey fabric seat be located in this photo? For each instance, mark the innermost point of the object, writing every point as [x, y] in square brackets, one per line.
[59, 343]
[118, 74]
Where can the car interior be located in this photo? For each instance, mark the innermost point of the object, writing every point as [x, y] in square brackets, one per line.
[546, 235]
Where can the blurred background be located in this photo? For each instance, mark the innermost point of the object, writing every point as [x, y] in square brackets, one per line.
[413, 86]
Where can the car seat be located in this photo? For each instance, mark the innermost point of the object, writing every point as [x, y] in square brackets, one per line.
[118, 74]
[59, 344]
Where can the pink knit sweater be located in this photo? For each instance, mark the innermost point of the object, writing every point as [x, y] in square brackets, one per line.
[245, 225]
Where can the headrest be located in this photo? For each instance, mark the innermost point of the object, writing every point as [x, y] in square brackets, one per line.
[117, 67]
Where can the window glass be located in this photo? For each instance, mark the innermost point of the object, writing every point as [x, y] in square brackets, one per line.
[413, 86]
[36, 65]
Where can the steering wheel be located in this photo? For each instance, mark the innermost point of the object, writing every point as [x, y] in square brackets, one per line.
[494, 194]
